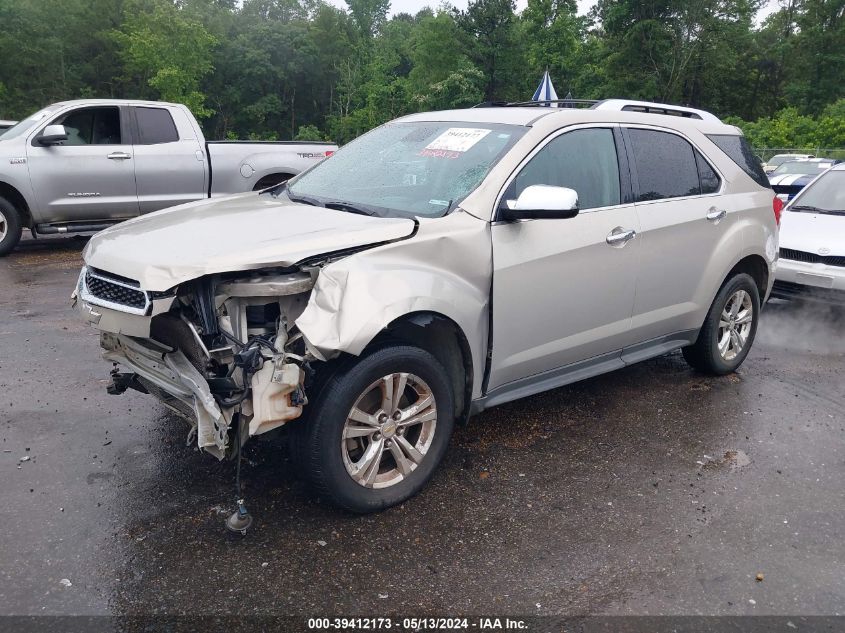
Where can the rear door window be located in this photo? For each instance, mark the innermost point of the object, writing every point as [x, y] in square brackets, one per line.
[155, 126]
[739, 151]
[583, 160]
[665, 164]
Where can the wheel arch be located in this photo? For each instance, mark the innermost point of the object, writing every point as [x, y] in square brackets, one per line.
[755, 266]
[273, 178]
[444, 339]
[15, 197]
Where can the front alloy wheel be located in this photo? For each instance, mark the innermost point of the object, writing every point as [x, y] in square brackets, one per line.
[378, 429]
[389, 430]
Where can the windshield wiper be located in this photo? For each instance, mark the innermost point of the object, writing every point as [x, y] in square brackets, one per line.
[810, 209]
[305, 200]
[350, 208]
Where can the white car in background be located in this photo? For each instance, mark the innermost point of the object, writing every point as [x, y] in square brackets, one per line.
[812, 242]
[779, 159]
[791, 177]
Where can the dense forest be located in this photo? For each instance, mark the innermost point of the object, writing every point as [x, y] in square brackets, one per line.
[306, 69]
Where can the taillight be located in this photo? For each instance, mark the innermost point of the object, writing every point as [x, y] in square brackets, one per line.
[777, 207]
[329, 152]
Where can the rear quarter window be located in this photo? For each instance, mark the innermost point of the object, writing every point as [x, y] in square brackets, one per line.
[739, 151]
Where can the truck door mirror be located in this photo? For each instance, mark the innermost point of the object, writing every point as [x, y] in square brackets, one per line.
[52, 135]
[542, 202]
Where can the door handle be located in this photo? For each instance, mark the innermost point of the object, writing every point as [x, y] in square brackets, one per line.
[119, 156]
[714, 214]
[620, 237]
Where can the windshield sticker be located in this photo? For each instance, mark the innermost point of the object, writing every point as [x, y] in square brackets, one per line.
[439, 203]
[439, 153]
[457, 139]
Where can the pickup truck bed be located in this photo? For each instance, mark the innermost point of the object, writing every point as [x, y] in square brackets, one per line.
[267, 162]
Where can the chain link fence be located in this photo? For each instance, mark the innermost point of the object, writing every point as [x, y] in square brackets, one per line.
[765, 153]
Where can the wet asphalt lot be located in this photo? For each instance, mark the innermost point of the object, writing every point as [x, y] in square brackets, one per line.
[649, 490]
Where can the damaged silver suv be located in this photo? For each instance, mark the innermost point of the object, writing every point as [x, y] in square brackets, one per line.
[441, 264]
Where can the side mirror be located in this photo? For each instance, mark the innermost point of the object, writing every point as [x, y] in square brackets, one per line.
[539, 202]
[52, 135]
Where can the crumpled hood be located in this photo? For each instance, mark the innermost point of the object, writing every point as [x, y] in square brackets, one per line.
[809, 232]
[248, 231]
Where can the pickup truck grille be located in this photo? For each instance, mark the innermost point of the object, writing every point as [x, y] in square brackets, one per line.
[107, 291]
[812, 258]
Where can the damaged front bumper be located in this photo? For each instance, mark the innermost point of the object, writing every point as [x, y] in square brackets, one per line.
[216, 354]
[170, 376]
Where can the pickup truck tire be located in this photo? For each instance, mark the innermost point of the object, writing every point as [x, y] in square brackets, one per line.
[729, 329]
[358, 449]
[10, 227]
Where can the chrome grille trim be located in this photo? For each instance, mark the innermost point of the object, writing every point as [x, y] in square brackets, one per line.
[107, 292]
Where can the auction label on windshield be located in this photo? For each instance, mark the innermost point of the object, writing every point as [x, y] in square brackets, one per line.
[457, 139]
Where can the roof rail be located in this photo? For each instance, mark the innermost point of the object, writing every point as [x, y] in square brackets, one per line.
[627, 105]
[560, 103]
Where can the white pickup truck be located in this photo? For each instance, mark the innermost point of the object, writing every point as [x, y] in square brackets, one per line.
[81, 166]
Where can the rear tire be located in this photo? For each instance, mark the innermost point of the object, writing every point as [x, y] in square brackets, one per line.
[374, 460]
[729, 329]
[11, 227]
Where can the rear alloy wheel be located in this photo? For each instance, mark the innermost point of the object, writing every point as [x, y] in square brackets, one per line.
[735, 325]
[10, 227]
[378, 429]
[729, 329]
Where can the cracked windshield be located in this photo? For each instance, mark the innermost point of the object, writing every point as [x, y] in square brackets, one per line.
[407, 169]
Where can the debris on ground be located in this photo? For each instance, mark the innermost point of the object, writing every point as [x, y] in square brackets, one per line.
[25, 458]
[322, 543]
[64, 582]
[759, 577]
[735, 459]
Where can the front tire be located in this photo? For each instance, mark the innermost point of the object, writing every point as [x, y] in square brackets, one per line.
[379, 429]
[729, 329]
[11, 227]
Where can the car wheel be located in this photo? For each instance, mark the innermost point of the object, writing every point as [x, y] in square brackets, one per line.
[729, 329]
[10, 227]
[379, 429]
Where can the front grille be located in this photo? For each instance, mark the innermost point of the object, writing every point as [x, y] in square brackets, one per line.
[812, 258]
[112, 292]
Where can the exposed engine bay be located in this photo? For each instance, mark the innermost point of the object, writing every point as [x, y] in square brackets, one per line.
[221, 348]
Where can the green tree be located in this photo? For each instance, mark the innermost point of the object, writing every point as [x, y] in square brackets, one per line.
[168, 52]
[490, 37]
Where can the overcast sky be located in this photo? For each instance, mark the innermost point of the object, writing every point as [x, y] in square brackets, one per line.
[412, 6]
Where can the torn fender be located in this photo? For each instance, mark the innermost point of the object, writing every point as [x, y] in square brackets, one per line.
[445, 268]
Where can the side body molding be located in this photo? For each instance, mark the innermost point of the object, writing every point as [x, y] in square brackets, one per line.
[445, 268]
